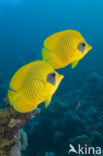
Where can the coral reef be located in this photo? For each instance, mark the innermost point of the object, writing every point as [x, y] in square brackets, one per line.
[12, 138]
[49, 154]
[62, 123]
[82, 140]
[72, 118]
[21, 143]
[58, 138]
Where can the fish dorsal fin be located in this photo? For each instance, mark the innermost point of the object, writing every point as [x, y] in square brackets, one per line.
[18, 77]
[74, 64]
[50, 41]
[47, 102]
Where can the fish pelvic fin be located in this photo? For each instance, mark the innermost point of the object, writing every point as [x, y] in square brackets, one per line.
[47, 102]
[74, 64]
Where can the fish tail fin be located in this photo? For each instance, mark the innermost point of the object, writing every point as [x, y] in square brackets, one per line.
[45, 54]
[19, 102]
[11, 96]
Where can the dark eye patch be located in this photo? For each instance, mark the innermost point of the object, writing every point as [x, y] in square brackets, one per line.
[81, 47]
[53, 74]
[51, 78]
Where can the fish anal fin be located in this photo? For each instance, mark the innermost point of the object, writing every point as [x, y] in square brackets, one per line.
[22, 105]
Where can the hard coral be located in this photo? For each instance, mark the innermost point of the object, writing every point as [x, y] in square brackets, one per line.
[49, 154]
[10, 125]
[21, 143]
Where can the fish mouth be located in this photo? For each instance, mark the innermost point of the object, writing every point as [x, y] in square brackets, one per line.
[61, 77]
[89, 47]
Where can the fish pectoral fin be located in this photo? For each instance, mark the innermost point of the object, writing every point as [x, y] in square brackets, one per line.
[47, 102]
[74, 64]
[22, 105]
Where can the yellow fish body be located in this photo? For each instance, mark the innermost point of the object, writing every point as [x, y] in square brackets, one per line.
[64, 48]
[31, 85]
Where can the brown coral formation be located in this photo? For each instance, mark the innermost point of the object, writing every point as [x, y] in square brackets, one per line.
[11, 123]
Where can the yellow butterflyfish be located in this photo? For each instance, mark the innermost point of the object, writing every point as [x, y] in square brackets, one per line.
[64, 48]
[33, 84]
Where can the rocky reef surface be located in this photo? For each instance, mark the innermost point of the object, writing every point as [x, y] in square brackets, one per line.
[72, 118]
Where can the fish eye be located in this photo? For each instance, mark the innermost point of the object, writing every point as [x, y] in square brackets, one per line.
[53, 74]
[51, 78]
[81, 47]
[83, 44]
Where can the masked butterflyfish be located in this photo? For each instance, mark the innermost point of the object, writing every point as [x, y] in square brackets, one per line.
[31, 85]
[64, 48]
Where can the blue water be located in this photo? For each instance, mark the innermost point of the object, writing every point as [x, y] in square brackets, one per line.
[24, 24]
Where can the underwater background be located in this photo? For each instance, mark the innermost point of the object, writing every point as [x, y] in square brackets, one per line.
[76, 111]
